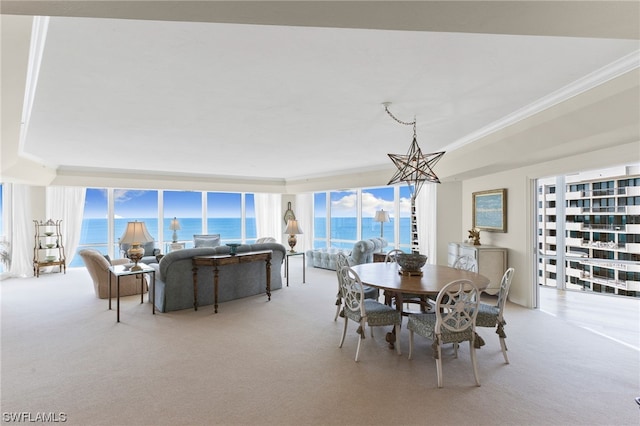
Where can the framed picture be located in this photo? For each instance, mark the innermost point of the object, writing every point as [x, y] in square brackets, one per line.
[490, 210]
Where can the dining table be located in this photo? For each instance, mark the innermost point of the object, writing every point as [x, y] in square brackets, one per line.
[389, 277]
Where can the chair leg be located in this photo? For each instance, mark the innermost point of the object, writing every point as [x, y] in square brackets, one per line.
[344, 331]
[396, 328]
[503, 345]
[338, 306]
[439, 365]
[360, 338]
[455, 349]
[472, 349]
[410, 343]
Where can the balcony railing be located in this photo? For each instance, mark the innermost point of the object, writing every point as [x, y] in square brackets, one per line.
[606, 227]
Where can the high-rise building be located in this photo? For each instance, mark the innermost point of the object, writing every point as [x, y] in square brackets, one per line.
[589, 231]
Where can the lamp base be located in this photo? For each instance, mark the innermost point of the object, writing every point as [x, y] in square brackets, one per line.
[135, 253]
[292, 242]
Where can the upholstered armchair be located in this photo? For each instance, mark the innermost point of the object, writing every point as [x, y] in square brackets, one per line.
[98, 267]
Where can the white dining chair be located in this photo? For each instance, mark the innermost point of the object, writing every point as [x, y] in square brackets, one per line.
[453, 322]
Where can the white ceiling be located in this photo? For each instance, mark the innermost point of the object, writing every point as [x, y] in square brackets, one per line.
[286, 102]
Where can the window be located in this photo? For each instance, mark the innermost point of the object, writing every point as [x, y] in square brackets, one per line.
[373, 200]
[251, 232]
[344, 218]
[186, 207]
[224, 215]
[320, 220]
[134, 205]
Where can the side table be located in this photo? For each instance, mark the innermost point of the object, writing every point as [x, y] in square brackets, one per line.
[120, 271]
[286, 265]
[379, 257]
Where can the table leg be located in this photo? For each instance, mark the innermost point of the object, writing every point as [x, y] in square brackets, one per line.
[286, 268]
[142, 288]
[389, 296]
[269, 278]
[195, 288]
[153, 294]
[215, 289]
[110, 289]
[118, 298]
[304, 268]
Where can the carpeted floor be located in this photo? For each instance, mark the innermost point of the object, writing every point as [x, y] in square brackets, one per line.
[277, 363]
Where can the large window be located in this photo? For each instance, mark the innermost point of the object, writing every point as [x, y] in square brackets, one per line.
[224, 215]
[107, 211]
[373, 200]
[186, 208]
[320, 220]
[344, 218]
[131, 206]
[341, 218]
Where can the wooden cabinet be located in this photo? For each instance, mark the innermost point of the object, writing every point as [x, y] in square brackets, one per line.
[48, 249]
[492, 261]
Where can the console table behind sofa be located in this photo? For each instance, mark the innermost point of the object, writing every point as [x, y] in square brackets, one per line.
[174, 277]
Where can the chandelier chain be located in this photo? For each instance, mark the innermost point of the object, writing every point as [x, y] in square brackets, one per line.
[406, 123]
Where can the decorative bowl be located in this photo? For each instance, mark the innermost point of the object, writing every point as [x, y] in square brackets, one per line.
[50, 258]
[48, 234]
[51, 245]
[411, 262]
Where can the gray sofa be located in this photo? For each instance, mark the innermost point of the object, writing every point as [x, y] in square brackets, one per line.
[362, 252]
[174, 277]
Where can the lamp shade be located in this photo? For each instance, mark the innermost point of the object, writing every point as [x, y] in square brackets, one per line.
[381, 216]
[174, 225]
[292, 227]
[136, 232]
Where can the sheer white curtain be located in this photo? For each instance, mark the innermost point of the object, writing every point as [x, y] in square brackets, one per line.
[268, 218]
[21, 232]
[304, 214]
[427, 223]
[67, 204]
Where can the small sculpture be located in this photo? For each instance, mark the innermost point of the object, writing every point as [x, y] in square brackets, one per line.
[474, 234]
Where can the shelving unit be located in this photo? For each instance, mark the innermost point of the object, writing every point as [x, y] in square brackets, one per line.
[48, 249]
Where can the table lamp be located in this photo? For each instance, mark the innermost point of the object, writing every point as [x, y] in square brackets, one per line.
[381, 216]
[292, 229]
[174, 226]
[136, 234]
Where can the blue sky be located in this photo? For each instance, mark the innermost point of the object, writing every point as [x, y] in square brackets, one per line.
[181, 204]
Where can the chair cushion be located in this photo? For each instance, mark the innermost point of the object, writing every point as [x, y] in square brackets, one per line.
[211, 240]
[487, 315]
[425, 324]
[377, 313]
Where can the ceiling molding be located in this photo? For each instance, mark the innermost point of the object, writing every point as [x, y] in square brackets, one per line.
[584, 84]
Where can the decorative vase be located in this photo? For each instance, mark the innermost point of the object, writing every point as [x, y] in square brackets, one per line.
[233, 247]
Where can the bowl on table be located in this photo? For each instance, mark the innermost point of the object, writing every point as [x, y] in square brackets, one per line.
[50, 258]
[51, 245]
[411, 262]
[48, 234]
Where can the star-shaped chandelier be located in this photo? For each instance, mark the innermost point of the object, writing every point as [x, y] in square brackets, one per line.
[414, 168]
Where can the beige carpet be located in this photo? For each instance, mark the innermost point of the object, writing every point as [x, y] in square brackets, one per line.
[277, 363]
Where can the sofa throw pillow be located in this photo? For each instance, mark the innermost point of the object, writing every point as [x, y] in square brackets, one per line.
[108, 259]
[211, 240]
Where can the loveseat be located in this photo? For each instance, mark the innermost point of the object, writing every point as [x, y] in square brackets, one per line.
[362, 252]
[174, 276]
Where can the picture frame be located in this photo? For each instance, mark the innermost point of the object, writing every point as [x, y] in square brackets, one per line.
[490, 210]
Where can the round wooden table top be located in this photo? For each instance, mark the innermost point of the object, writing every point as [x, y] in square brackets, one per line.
[386, 276]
